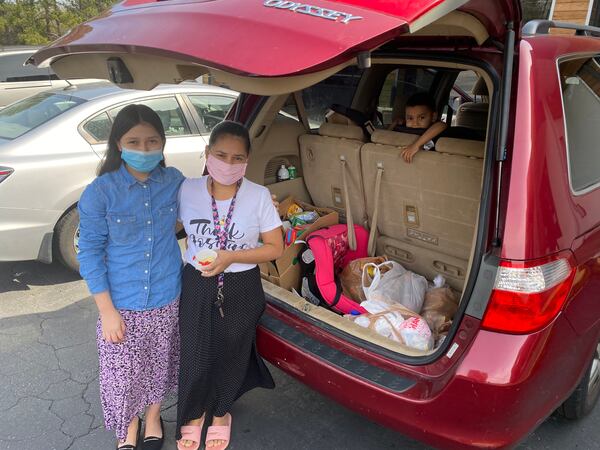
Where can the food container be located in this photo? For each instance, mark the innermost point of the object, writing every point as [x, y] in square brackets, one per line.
[203, 258]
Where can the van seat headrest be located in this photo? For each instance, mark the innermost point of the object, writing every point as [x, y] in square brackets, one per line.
[395, 138]
[342, 131]
[340, 119]
[462, 147]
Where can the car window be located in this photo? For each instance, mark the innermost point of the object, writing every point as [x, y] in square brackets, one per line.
[337, 89]
[462, 92]
[580, 83]
[398, 86]
[12, 69]
[27, 114]
[212, 109]
[99, 127]
[169, 111]
[537, 9]
[594, 14]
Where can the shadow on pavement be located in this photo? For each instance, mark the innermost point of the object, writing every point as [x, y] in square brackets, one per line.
[16, 276]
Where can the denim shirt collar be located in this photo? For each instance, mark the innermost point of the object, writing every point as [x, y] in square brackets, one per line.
[156, 175]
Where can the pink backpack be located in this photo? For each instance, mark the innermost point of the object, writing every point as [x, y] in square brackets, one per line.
[327, 254]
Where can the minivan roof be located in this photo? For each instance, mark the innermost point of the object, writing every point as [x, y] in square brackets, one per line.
[270, 38]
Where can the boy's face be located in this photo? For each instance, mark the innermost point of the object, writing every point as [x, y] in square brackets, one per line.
[420, 116]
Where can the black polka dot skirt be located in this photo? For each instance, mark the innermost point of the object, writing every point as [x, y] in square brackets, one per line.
[218, 358]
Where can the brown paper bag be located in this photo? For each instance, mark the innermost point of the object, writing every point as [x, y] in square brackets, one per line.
[439, 308]
[351, 277]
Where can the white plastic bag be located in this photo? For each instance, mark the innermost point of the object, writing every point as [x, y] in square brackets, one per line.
[386, 324]
[375, 306]
[396, 285]
[373, 284]
[416, 334]
[412, 291]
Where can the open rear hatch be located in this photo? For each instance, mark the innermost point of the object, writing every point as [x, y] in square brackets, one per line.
[139, 44]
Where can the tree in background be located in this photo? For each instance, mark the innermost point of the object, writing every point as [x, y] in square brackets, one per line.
[39, 22]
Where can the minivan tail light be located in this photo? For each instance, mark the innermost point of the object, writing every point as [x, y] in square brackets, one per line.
[527, 296]
[4, 173]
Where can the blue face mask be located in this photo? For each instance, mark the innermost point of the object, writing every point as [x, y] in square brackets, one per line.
[141, 161]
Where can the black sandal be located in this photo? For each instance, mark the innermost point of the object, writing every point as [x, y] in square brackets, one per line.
[137, 439]
[153, 442]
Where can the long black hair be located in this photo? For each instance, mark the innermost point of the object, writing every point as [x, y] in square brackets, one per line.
[126, 119]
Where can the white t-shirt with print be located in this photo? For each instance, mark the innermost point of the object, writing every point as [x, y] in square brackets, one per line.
[254, 213]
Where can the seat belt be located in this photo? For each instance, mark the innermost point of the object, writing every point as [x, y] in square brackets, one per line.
[372, 246]
[349, 219]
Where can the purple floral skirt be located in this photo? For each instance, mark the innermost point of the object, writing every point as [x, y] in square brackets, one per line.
[141, 370]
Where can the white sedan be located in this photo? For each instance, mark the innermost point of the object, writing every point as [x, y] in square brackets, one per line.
[51, 145]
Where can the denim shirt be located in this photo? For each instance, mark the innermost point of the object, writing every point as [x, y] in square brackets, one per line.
[127, 242]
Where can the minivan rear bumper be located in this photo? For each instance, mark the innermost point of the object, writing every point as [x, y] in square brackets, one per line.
[498, 391]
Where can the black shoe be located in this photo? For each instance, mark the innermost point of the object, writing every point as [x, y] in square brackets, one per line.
[153, 442]
[137, 439]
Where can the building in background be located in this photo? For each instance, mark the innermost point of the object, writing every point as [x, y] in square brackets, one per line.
[575, 11]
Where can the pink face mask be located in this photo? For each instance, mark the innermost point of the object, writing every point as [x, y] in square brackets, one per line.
[225, 173]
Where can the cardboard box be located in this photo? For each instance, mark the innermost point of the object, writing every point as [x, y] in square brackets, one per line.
[287, 280]
[285, 271]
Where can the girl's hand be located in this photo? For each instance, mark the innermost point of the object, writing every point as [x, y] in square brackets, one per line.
[409, 152]
[113, 326]
[223, 261]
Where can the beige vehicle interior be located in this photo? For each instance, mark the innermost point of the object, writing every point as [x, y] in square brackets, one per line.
[426, 212]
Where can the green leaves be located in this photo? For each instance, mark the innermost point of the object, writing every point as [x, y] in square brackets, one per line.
[39, 22]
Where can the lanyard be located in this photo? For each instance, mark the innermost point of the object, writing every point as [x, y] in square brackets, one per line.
[222, 232]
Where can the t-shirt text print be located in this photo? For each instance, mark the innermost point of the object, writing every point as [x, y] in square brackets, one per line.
[254, 213]
[205, 235]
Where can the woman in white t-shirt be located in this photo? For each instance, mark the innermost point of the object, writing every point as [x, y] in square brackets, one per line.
[221, 304]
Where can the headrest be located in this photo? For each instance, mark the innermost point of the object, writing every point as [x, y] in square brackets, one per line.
[473, 115]
[480, 88]
[394, 138]
[334, 117]
[463, 147]
[342, 131]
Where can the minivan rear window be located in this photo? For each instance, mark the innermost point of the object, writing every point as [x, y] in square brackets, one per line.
[337, 89]
[29, 113]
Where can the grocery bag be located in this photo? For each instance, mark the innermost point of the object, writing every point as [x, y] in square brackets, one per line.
[439, 308]
[351, 277]
[391, 283]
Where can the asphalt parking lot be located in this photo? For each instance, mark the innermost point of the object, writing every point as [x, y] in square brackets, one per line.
[49, 385]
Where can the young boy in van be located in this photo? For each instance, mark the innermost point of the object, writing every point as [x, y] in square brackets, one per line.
[420, 113]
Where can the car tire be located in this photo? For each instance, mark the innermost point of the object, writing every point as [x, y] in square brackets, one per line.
[66, 236]
[586, 394]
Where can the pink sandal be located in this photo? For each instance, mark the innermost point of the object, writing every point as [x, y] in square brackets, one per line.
[190, 433]
[219, 433]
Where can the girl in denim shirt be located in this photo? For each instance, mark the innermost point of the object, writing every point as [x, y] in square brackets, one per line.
[130, 259]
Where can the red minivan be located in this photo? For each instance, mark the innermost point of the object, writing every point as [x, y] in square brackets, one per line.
[505, 212]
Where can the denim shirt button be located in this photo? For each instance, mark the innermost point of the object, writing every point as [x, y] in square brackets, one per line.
[146, 288]
[149, 222]
[146, 204]
[149, 239]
